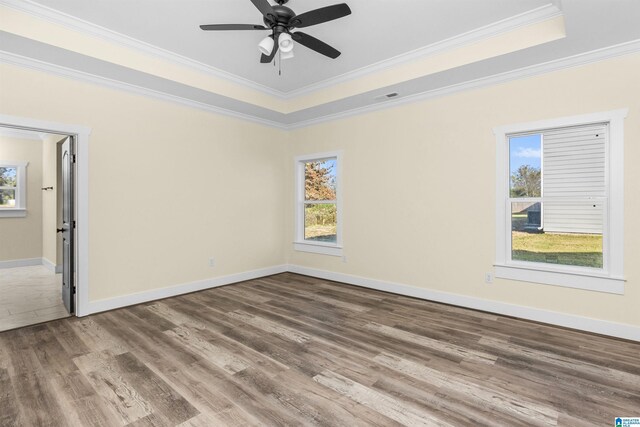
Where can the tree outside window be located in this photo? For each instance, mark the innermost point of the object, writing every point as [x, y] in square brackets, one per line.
[8, 186]
[320, 217]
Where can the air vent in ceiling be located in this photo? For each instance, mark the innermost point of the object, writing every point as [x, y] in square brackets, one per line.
[386, 96]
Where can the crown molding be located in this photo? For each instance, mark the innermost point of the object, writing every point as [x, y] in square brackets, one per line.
[534, 16]
[521, 73]
[13, 59]
[531, 17]
[530, 71]
[88, 28]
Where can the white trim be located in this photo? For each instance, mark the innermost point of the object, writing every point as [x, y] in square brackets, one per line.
[88, 28]
[614, 329]
[620, 330]
[185, 288]
[616, 191]
[51, 266]
[612, 285]
[13, 213]
[611, 277]
[27, 262]
[316, 248]
[521, 73]
[20, 134]
[300, 244]
[534, 16]
[540, 14]
[581, 59]
[599, 117]
[82, 192]
[23, 61]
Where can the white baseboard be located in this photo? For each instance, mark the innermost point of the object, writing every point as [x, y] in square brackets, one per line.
[156, 294]
[604, 327]
[588, 324]
[51, 266]
[29, 262]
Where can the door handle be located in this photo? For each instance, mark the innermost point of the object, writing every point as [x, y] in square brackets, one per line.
[60, 230]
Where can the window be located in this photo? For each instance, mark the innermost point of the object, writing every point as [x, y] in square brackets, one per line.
[559, 202]
[318, 204]
[13, 189]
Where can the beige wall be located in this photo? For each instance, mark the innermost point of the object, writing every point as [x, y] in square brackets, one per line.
[169, 186]
[412, 172]
[21, 238]
[172, 186]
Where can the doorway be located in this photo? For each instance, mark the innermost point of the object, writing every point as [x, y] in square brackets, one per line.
[36, 262]
[39, 263]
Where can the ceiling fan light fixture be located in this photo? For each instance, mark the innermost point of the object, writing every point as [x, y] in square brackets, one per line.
[286, 55]
[285, 42]
[281, 21]
[266, 45]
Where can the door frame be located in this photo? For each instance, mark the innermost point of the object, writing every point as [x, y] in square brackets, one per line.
[81, 134]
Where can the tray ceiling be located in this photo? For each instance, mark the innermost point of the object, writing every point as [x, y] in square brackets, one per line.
[407, 46]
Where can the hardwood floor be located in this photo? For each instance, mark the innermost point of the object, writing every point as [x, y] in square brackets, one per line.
[293, 350]
[29, 295]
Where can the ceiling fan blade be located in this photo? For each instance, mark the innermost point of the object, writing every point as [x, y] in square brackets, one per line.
[228, 27]
[318, 16]
[315, 44]
[265, 8]
[264, 59]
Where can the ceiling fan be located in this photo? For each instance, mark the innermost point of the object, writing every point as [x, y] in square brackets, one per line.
[281, 20]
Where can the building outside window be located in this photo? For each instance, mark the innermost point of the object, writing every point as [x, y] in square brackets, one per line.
[559, 206]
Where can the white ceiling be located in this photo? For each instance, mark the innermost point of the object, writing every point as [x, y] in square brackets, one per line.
[375, 31]
[379, 36]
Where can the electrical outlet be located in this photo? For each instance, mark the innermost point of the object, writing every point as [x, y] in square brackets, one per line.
[488, 277]
[344, 258]
[212, 262]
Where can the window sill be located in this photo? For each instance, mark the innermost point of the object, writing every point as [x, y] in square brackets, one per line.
[12, 213]
[585, 281]
[318, 248]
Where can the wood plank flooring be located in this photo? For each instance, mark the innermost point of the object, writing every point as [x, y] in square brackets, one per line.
[293, 350]
[29, 295]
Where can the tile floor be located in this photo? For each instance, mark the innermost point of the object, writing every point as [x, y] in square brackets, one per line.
[29, 295]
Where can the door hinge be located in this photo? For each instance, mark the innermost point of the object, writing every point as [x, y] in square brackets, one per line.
[73, 158]
[74, 224]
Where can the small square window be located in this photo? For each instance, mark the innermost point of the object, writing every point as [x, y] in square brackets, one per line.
[12, 189]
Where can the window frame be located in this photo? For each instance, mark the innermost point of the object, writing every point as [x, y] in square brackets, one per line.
[300, 244]
[610, 278]
[20, 209]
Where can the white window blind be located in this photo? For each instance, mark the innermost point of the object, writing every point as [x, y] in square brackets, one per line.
[573, 182]
[560, 201]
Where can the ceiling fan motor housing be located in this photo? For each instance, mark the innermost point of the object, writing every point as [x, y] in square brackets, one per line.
[282, 18]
